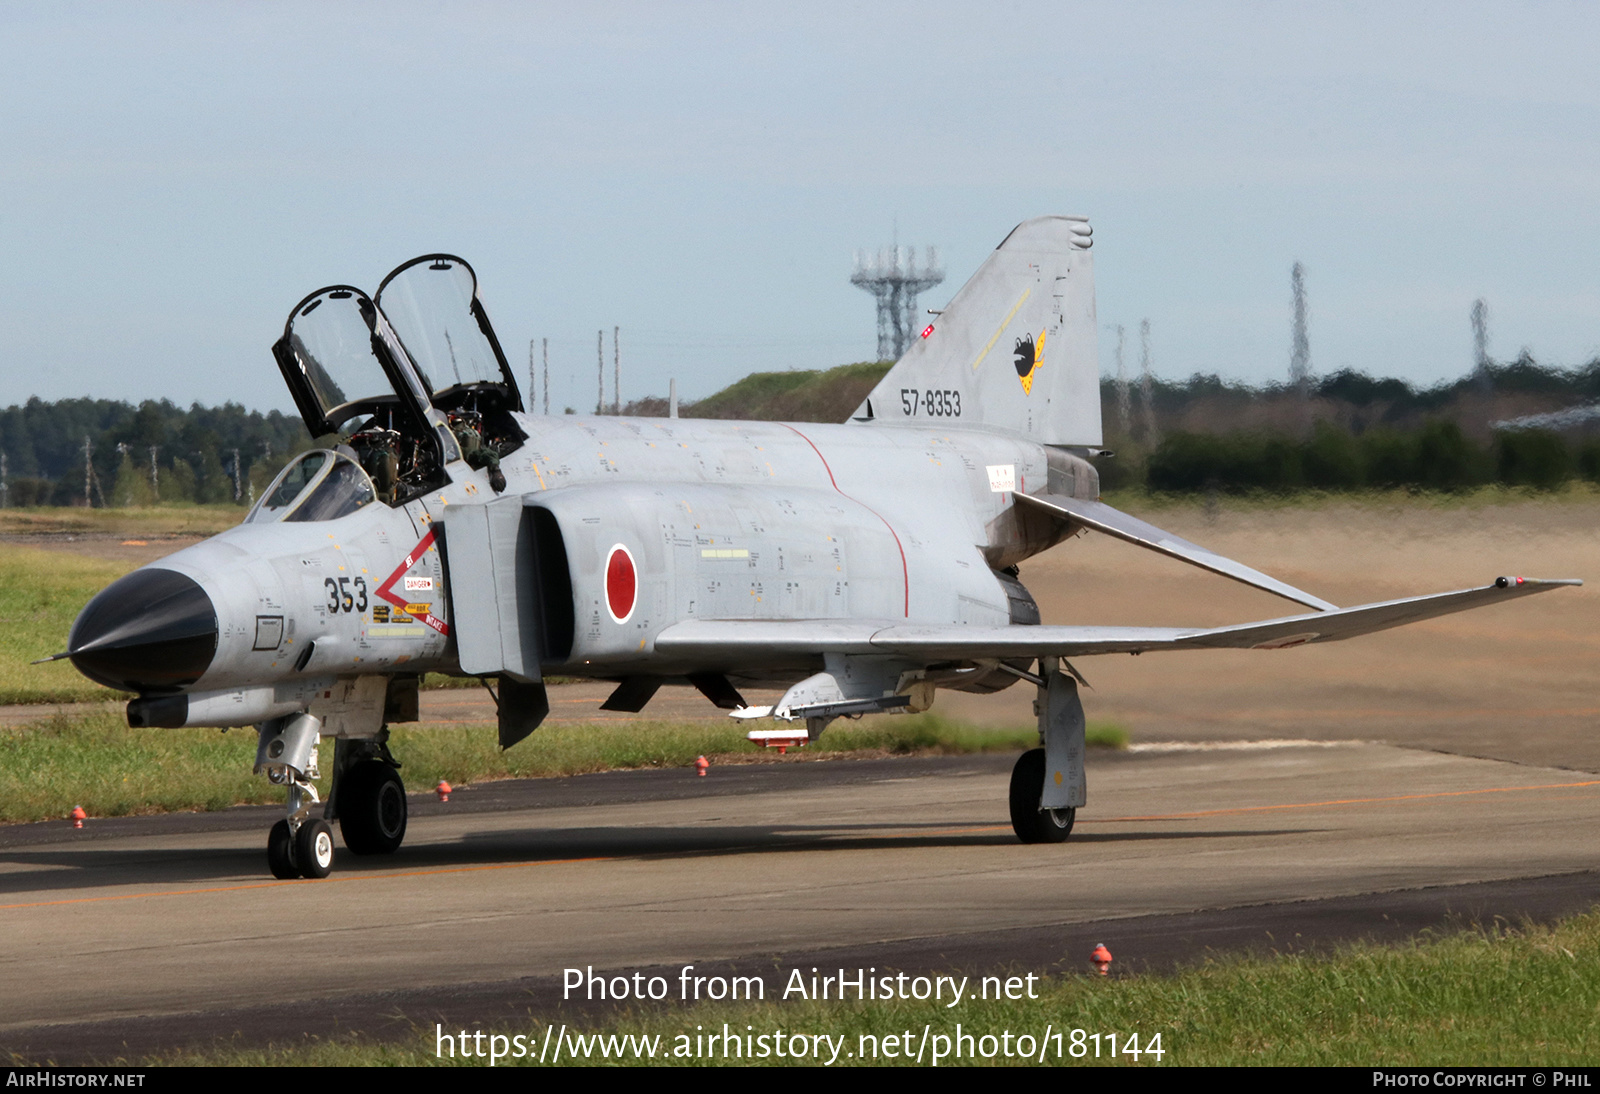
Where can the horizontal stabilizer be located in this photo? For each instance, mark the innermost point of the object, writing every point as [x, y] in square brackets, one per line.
[751, 642]
[1113, 522]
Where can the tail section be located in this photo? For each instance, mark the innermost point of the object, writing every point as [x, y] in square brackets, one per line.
[1016, 347]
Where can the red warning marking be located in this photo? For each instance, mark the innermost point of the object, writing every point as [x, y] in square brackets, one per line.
[386, 590]
[622, 583]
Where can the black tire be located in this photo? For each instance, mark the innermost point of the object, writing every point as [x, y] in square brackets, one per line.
[372, 809]
[280, 852]
[313, 848]
[1032, 824]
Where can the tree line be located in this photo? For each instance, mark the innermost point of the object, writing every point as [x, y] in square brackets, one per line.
[1437, 456]
[148, 454]
[1345, 431]
[1350, 431]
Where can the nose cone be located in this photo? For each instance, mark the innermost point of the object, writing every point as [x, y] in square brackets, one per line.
[153, 630]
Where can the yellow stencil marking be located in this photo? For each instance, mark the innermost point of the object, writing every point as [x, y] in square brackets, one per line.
[1001, 329]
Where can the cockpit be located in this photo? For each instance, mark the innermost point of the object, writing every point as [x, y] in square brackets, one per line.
[409, 381]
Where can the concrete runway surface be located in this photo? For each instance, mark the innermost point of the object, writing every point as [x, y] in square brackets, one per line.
[148, 932]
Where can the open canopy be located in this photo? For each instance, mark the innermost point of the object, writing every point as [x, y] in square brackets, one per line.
[433, 305]
[342, 360]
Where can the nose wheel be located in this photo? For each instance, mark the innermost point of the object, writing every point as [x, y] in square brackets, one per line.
[305, 852]
[313, 849]
[280, 851]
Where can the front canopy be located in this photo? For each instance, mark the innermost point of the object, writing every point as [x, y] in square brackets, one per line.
[341, 360]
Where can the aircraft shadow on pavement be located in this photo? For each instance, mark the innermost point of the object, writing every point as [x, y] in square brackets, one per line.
[77, 869]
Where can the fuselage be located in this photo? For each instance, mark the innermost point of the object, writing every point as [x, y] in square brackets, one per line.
[720, 520]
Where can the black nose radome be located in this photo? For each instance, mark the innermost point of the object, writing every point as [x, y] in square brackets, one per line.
[153, 630]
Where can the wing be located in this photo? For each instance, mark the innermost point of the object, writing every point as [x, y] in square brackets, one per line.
[754, 641]
[1113, 522]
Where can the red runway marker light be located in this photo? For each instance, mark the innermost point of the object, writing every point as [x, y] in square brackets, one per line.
[700, 765]
[78, 816]
[1101, 959]
[443, 790]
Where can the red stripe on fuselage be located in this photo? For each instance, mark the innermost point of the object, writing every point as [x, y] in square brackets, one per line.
[904, 570]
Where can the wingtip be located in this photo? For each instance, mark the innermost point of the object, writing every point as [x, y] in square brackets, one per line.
[1546, 582]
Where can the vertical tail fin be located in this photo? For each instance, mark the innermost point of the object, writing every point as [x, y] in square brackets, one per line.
[1016, 347]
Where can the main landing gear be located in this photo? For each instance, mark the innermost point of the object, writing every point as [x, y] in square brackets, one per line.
[367, 799]
[370, 799]
[1047, 784]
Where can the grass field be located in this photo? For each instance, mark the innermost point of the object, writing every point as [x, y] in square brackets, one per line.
[41, 594]
[98, 762]
[42, 587]
[1482, 997]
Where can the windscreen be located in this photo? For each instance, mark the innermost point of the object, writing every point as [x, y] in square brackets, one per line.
[330, 338]
[429, 305]
[344, 489]
[320, 485]
[289, 485]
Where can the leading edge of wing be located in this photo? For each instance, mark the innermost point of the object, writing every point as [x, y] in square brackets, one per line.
[755, 639]
[1114, 522]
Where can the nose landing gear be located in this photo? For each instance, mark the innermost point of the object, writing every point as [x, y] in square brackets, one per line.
[297, 846]
[367, 799]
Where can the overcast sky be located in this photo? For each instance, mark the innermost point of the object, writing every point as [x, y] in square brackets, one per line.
[174, 177]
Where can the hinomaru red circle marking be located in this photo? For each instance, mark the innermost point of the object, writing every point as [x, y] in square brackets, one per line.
[622, 584]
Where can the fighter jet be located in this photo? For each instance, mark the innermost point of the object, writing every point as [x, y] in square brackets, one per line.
[861, 567]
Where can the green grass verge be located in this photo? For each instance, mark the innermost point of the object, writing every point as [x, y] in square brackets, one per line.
[98, 762]
[43, 590]
[1495, 997]
[42, 594]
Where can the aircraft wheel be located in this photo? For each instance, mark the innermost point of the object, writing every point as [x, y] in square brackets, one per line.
[1032, 824]
[372, 809]
[313, 848]
[280, 851]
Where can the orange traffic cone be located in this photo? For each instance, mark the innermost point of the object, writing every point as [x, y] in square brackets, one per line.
[78, 816]
[700, 766]
[443, 790]
[1101, 959]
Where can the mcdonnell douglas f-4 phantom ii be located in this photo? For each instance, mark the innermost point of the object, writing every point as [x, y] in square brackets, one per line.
[859, 566]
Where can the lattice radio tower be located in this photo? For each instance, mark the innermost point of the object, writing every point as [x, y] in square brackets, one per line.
[1300, 338]
[894, 278]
